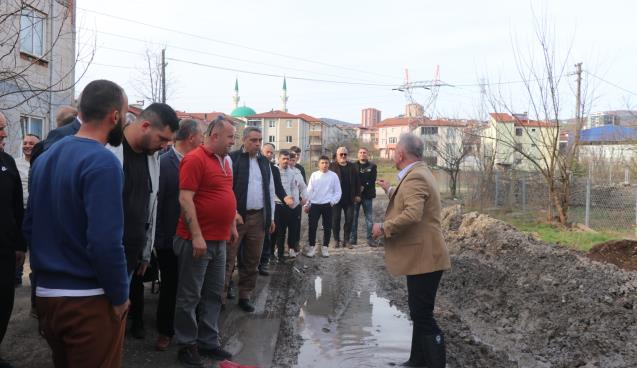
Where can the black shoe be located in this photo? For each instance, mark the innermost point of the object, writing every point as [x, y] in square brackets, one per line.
[435, 351]
[338, 244]
[417, 353]
[246, 305]
[189, 356]
[231, 294]
[137, 330]
[217, 353]
[5, 364]
[263, 270]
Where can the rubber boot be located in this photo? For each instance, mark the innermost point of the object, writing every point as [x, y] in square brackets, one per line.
[417, 354]
[435, 351]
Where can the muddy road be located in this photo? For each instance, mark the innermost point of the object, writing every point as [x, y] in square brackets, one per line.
[509, 301]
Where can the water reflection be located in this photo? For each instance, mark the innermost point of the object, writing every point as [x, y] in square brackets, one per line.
[369, 332]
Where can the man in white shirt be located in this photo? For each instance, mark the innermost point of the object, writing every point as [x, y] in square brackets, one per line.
[285, 215]
[323, 192]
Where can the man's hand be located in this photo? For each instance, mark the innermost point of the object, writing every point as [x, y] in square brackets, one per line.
[377, 231]
[238, 219]
[272, 227]
[289, 201]
[384, 184]
[357, 199]
[141, 268]
[19, 258]
[234, 234]
[120, 310]
[303, 201]
[306, 209]
[198, 247]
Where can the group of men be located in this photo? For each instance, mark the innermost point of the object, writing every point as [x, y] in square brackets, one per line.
[101, 198]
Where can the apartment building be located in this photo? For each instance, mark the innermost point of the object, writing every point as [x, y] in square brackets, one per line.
[284, 130]
[389, 131]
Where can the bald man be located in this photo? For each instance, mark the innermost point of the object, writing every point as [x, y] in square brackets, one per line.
[65, 115]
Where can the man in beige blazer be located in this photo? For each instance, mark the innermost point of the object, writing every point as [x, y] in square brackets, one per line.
[415, 247]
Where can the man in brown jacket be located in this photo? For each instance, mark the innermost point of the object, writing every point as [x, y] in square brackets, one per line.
[415, 247]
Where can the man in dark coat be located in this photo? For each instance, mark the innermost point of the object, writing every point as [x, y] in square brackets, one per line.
[351, 195]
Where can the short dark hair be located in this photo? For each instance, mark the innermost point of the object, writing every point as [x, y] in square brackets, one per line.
[187, 127]
[284, 153]
[295, 149]
[292, 154]
[250, 129]
[160, 115]
[323, 157]
[99, 98]
[270, 144]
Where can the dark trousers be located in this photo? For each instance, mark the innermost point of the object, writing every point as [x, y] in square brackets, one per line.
[285, 223]
[421, 296]
[268, 248]
[82, 331]
[336, 221]
[295, 231]
[317, 211]
[136, 295]
[7, 289]
[169, 269]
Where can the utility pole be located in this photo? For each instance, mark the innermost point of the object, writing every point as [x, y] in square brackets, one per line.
[163, 75]
[578, 110]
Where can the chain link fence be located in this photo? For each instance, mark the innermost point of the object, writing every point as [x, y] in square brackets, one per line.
[606, 202]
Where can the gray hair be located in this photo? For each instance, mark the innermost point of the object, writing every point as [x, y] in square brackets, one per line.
[412, 145]
[187, 127]
[342, 148]
[249, 130]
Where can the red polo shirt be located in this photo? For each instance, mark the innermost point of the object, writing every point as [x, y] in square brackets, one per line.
[203, 173]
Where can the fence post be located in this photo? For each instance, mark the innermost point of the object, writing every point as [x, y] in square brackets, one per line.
[496, 189]
[524, 193]
[588, 202]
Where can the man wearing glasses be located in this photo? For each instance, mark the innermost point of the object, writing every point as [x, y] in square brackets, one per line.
[351, 195]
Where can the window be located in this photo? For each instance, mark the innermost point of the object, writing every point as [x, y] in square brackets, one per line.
[428, 130]
[288, 139]
[289, 122]
[518, 132]
[254, 123]
[383, 140]
[430, 146]
[271, 139]
[271, 123]
[533, 130]
[32, 32]
[392, 140]
[451, 133]
[31, 125]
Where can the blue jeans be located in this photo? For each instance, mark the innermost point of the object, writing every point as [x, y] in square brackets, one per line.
[368, 208]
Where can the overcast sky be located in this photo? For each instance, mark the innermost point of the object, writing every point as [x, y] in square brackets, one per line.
[368, 42]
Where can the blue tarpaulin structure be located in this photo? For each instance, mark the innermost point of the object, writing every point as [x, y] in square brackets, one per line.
[608, 134]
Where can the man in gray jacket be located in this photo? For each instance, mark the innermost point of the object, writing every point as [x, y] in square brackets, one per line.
[138, 153]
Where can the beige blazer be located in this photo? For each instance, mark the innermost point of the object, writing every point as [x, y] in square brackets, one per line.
[413, 237]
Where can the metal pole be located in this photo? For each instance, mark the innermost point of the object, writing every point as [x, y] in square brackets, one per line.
[524, 193]
[496, 189]
[588, 202]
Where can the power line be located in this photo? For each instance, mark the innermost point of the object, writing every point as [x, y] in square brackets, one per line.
[611, 83]
[166, 29]
[211, 53]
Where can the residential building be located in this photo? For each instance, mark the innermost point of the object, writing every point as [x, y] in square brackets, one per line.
[317, 133]
[368, 136]
[602, 118]
[37, 61]
[370, 117]
[610, 144]
[283, 129]
[515, 141]
[389, 131]
[446, 140]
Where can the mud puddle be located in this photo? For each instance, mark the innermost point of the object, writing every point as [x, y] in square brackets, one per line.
[368, 332]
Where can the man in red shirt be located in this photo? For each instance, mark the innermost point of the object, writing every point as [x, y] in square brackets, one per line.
[208, 210]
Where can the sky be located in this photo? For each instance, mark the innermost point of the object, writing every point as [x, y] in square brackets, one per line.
[343, 56]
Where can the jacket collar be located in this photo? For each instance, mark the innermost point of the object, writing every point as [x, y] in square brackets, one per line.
[406, 174]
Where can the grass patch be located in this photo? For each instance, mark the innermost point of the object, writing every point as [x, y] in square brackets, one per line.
[574, 238]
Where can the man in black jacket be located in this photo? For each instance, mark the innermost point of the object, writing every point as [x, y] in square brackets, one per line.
[367, 173]
[12, 243]
[351, 192]
[253, 187]
[189, 136]
[268, 243]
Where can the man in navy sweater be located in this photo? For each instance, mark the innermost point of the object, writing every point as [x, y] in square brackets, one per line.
[74, 225]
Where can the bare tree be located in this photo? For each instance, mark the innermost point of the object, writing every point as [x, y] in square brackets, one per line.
[28, 39]
[148, 80]
[532, 141]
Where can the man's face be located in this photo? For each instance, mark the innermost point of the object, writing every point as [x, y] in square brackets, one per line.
[222, 139]
[292, 161]
[362, 155]
[252, 143]
[267, 151]
[324, 165]
[398, 156]
[195, 140]
[27, 144]
[341, 157]
[284, 161]
[3, 130]
[155, 138]
[116, 135]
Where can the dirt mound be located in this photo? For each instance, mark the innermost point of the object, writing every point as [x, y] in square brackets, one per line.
[543, 305]
[621, 253]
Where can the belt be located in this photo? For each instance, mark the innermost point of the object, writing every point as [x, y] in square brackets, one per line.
[252, 212]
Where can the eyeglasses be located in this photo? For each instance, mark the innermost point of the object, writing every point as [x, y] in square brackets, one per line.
[343, 154]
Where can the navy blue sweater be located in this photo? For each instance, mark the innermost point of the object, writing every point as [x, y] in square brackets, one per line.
[74, 222]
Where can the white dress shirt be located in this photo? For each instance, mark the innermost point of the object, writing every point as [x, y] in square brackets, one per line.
[324, 187]
[293, 183]
[23, 168]
[254, 200]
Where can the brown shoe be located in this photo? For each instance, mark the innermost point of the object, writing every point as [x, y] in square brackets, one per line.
[163, 342]
[348, 245]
